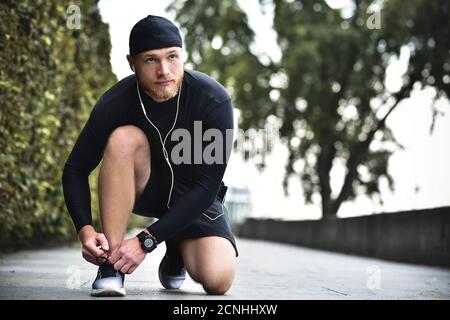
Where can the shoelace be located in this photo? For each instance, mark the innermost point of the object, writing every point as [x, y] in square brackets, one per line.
[102, 259]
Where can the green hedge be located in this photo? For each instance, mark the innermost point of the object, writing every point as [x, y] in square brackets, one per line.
[50, 78]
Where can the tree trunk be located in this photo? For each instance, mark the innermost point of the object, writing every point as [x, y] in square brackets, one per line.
[358, 153]
[324, 164]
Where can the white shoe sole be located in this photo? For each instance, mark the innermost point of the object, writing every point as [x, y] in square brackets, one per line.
[108, 292]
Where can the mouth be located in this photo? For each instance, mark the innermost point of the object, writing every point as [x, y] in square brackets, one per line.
[164, 83]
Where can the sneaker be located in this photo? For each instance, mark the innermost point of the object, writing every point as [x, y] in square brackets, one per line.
[172, 271]
[108, 283]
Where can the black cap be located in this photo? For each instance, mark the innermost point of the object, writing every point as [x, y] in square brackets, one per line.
[154, 32]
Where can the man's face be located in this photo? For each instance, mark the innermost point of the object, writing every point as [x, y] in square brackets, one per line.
[159, 72]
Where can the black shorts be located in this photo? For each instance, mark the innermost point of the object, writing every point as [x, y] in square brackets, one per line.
[215, 221]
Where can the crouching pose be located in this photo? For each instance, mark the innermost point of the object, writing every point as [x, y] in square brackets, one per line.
[145, 130]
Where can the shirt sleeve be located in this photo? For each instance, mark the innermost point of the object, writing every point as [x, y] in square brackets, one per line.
[84, 158]
[207, 178]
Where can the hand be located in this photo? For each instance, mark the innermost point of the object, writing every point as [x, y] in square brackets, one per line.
[128, 256]
[94, 244]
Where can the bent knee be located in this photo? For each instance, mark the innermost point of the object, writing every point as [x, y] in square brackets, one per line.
[218, 284]
[126, 138]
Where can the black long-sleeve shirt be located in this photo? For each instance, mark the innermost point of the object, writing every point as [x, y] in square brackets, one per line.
[195, 186]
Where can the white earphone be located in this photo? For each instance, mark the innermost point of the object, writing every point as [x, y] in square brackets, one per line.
[163, 141]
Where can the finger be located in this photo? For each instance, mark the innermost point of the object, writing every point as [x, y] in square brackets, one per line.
[93, 249]
[125, 268]
[113, 257]
[131, 270]
[119, 264]
[103, 241]
[89, 257]
[93, 261]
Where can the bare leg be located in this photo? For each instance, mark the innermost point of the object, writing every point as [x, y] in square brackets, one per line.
[123, 175]
[211, 262]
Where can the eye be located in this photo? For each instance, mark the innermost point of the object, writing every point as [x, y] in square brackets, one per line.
[150, 60]
[173, 57]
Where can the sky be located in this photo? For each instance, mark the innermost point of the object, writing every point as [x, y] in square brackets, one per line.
[421, 171]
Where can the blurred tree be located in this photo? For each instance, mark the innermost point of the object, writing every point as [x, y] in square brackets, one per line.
[333, 102]
[218, 43]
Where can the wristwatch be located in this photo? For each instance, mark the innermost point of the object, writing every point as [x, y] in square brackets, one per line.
[148, 241]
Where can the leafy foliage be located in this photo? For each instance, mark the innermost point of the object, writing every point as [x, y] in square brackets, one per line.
[50, 77]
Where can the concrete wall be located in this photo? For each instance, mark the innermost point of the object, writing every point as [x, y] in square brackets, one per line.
[421, 236]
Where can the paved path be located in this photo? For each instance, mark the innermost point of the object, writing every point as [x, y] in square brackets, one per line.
[265, 270]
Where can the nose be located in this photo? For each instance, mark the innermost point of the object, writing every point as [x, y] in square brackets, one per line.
[163, 69]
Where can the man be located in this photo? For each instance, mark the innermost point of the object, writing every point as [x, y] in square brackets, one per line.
[135, 129]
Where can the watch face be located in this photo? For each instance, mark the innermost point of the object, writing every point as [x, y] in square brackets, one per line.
[148, 243]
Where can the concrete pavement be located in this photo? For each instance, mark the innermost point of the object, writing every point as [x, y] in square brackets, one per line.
[265, 270]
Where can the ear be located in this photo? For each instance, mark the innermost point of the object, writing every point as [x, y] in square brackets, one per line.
[131, 62]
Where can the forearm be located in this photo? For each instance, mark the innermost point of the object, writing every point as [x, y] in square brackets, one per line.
[183, 213]
[77, 196]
